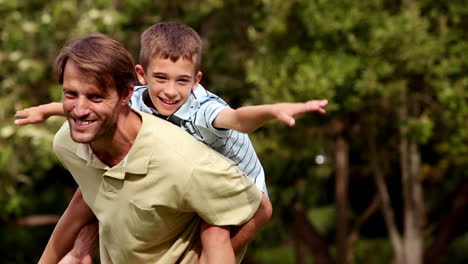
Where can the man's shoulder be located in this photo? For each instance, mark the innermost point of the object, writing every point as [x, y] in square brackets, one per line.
[161, 131]
[64, 146]
[174, 140]
[62, 136]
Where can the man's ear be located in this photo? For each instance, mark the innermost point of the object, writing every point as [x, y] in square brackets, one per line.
[198, 78]
[128, 95]
[140, 74]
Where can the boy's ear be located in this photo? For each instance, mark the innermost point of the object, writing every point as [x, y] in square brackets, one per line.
[198, 78]
[140, 74]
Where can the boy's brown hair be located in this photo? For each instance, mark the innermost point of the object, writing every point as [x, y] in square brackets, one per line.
[103, 59]
[170, 40]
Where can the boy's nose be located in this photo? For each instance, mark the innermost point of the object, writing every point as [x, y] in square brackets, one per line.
[171, 90]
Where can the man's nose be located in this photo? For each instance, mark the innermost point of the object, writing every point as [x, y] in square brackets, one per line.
[81, 107]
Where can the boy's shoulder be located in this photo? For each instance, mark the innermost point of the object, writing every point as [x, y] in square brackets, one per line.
[202, 96]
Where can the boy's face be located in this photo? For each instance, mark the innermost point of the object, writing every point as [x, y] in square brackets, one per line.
[169, 83]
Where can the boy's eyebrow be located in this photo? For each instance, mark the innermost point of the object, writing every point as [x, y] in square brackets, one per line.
[179, 76]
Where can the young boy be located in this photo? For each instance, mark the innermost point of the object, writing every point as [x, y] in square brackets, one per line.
[170, 69]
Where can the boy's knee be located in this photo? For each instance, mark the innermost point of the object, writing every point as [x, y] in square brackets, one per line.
[266, 209]
[215, 234]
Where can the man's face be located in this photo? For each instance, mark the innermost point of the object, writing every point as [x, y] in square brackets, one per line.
[91, 112]
[169, 83]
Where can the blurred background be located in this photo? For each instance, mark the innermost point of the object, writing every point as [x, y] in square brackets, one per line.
[381, 178]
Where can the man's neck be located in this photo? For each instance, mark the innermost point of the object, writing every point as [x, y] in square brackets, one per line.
[111, 151]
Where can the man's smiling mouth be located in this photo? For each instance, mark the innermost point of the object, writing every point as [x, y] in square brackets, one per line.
[83, 122]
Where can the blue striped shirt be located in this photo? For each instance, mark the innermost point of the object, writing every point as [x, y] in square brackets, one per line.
[196, 116]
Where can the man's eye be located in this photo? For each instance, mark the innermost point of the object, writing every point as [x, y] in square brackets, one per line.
[68, 94]
[96, 97]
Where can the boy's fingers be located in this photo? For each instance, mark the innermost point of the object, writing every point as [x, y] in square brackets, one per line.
[288, 120]
[20, 122]
[20, 113]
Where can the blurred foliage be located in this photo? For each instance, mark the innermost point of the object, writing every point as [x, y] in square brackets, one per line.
[360, 55]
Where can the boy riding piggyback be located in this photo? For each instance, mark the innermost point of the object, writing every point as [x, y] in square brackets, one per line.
[170, 72]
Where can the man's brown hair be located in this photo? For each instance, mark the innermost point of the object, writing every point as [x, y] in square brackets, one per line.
[170, 40]
[101, 58]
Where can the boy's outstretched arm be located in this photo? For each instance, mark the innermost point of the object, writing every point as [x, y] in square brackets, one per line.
[248, 118]
[38, 114]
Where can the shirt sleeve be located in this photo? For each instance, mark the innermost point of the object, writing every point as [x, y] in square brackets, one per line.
[205, 117]
[221, 194]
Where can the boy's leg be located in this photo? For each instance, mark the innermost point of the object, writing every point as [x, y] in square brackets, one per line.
[216, 245]
[85, 246]
[246, 233]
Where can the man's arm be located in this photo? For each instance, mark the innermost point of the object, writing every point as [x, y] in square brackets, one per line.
[38, 114]
[242, 235]
[249, 118]
[77, 215]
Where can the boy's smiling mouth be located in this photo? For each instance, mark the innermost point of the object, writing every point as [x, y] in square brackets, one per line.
[169, 102]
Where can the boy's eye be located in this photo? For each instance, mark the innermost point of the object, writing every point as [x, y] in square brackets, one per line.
[183, 81]
[160, 78]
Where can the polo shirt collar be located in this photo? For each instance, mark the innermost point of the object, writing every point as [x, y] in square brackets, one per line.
[136, 161]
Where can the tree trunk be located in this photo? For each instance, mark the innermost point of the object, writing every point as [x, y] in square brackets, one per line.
[412, 194]
[386, 205]
[311, 237]
[452, 224]
[354, 234]
[341, 197]
[299, 252]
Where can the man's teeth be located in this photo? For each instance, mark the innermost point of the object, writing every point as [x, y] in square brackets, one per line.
[83, 122]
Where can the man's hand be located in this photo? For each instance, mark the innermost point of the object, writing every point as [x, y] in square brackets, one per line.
[32, 115]
[70, 259]
[285, 112]
[85, 246]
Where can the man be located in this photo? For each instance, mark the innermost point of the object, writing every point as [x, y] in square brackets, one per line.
[148, 182]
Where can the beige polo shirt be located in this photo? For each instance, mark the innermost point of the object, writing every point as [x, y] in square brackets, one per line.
[150, 205]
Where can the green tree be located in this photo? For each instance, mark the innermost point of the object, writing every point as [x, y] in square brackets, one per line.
[384, 66]
[395, 76]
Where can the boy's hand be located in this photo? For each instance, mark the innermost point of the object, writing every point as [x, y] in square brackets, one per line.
[32, 115]
[285, 112]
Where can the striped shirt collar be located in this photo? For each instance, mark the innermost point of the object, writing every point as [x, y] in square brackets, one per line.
[183, 113]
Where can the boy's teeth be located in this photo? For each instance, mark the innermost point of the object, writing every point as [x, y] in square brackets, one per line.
[169, 101]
